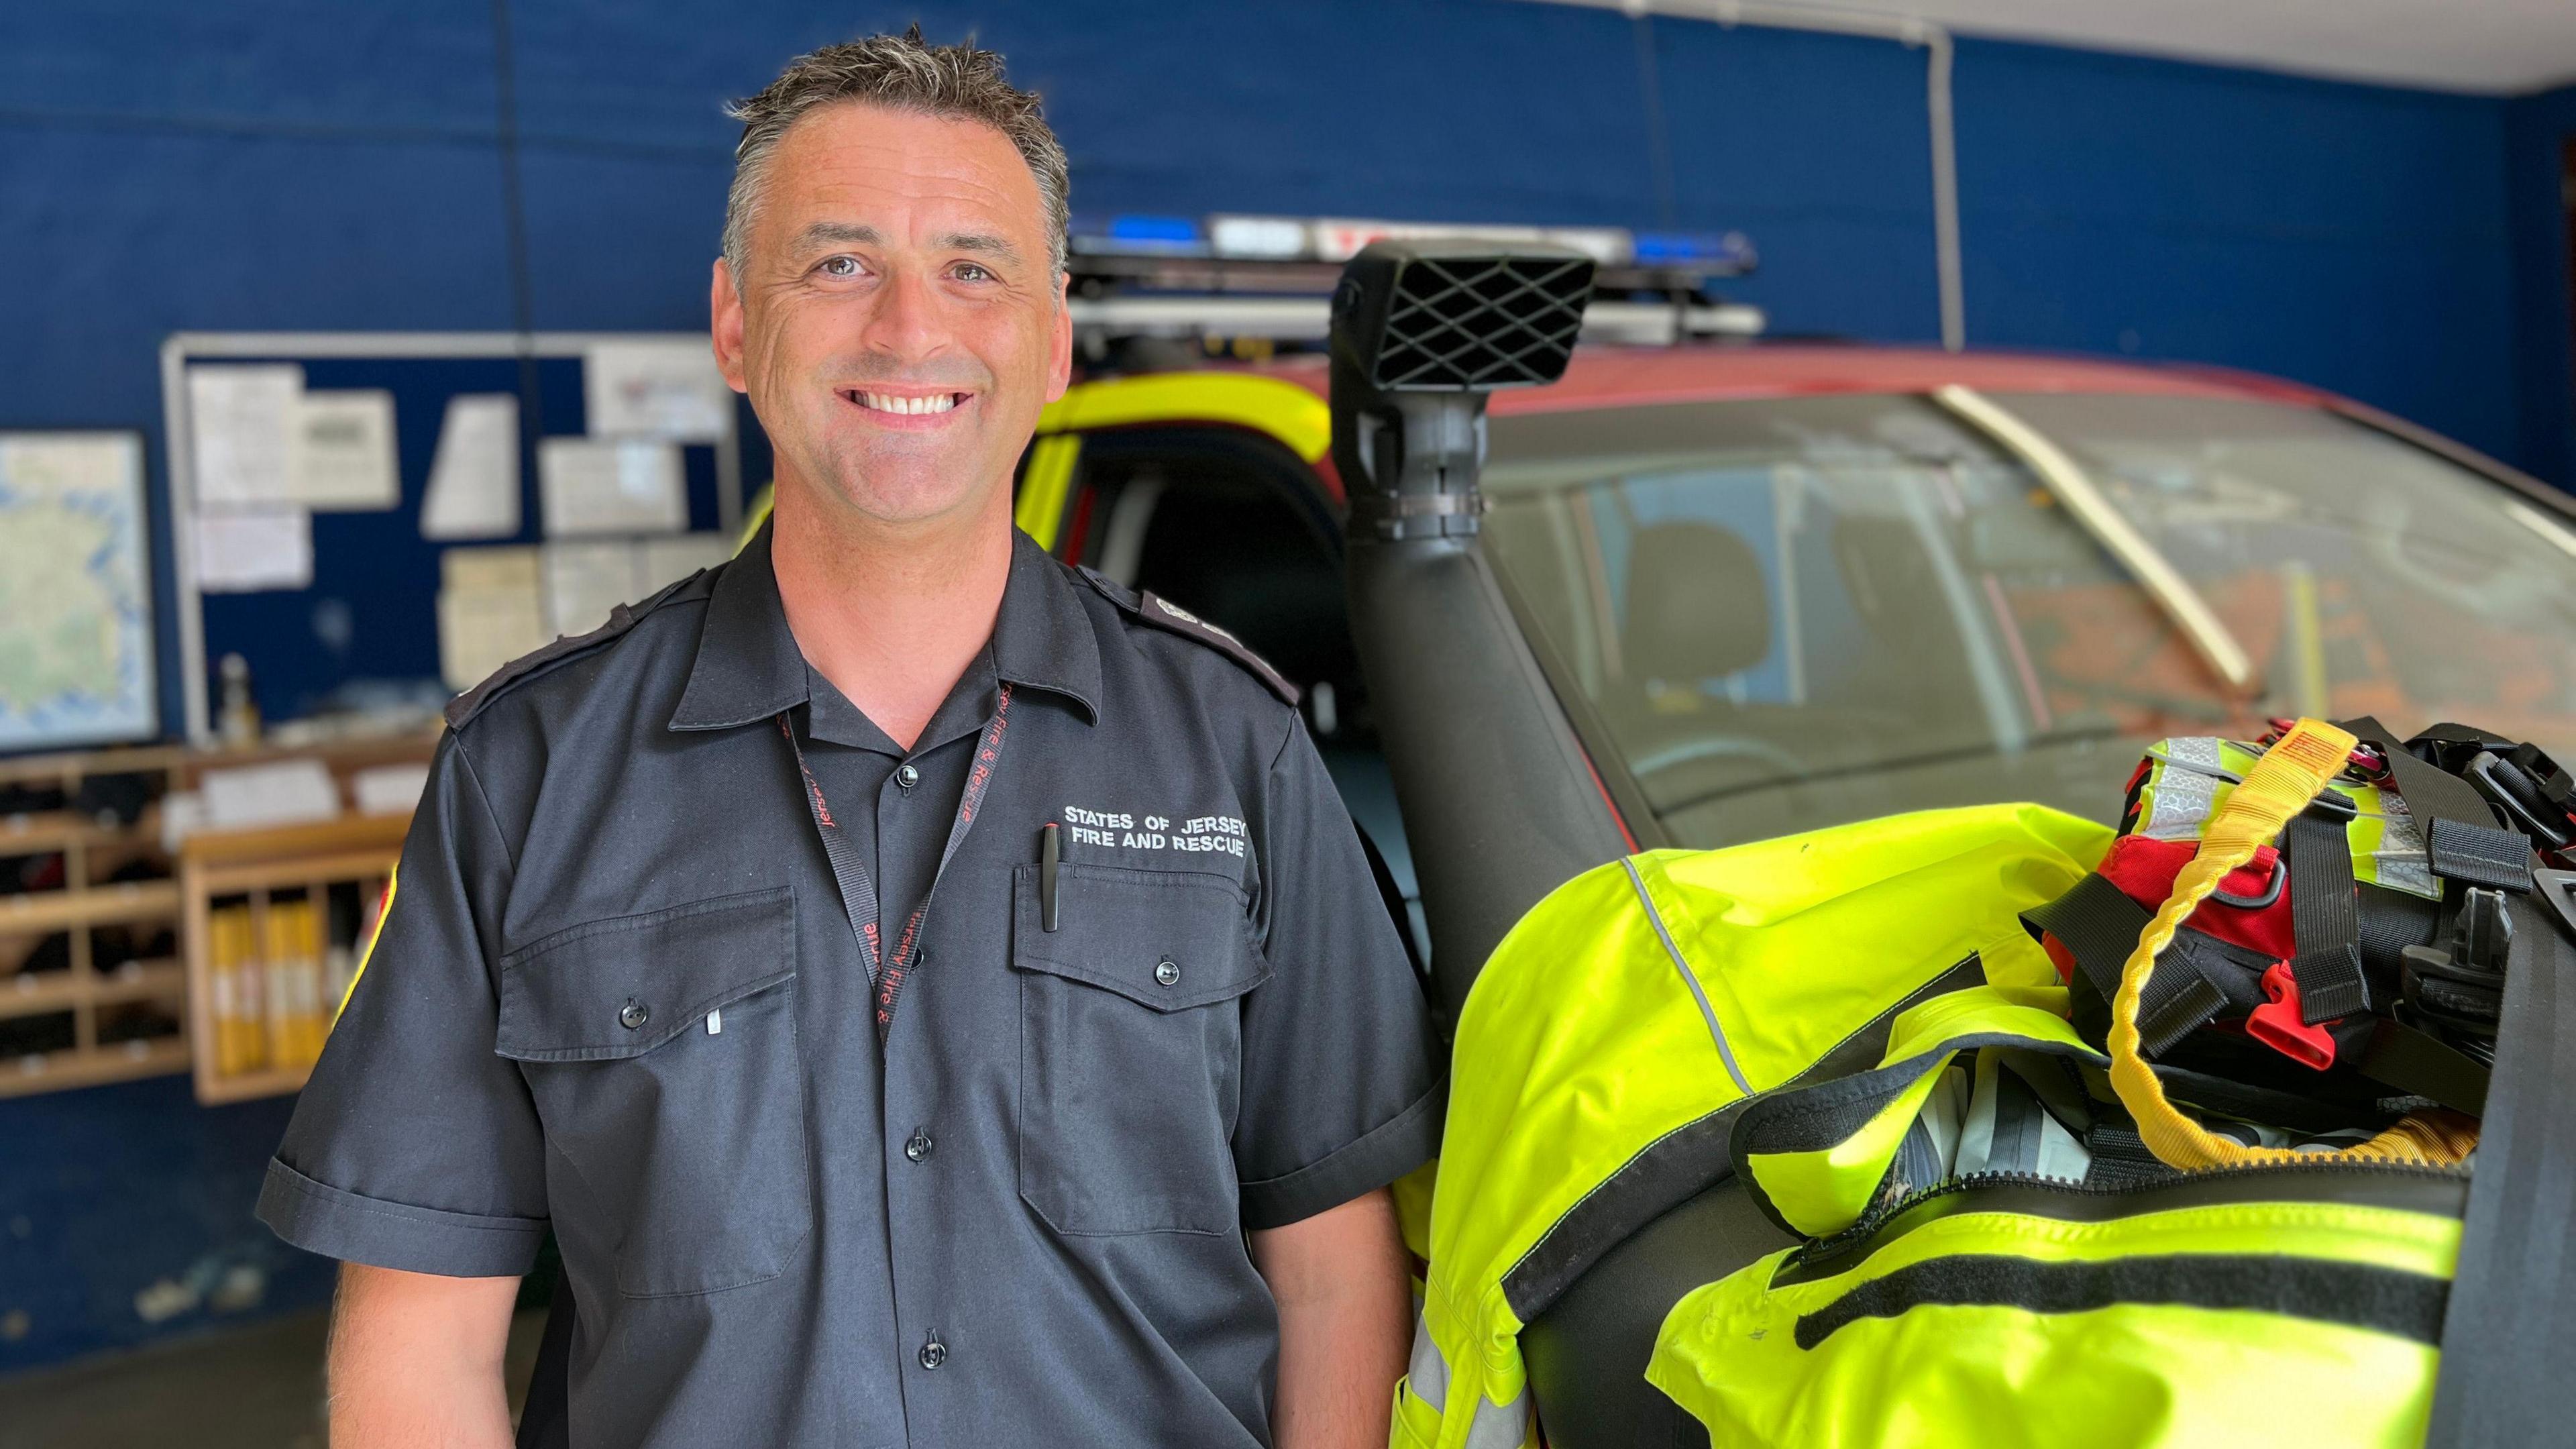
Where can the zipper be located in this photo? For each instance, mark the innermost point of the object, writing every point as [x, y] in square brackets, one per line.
[1804, 1261]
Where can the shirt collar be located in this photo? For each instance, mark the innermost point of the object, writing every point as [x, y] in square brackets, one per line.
[749, 669]
[1044, 638]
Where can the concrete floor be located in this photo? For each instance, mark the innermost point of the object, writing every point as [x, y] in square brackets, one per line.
[255, 1387]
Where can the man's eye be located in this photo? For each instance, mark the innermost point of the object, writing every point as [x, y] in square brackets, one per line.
[841, 266]
[970, 272]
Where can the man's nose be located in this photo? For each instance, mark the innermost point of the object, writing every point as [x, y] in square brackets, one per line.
[907, 324]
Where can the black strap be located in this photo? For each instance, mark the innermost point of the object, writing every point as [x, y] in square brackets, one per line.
[2509, 1334]
[2479, 855]
[2099, 926]
[2121, 1159]
[887, 968]
[2421, 1065]
[2460, 834]
[2325, 921]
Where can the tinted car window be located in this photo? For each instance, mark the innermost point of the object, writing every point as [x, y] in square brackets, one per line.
[1792, 613]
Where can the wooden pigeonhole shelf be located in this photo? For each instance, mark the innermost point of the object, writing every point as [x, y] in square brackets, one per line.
[76, 897]
[259, 880]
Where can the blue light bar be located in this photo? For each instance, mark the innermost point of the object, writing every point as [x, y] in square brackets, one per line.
[1156, 231]
[1694, 249]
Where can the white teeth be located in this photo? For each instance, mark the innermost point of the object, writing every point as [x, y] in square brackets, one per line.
[889, 403]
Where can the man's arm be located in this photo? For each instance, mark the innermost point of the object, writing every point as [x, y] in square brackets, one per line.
[1344, 1322]
[416, 1360]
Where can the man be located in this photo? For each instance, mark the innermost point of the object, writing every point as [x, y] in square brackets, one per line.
[934, 997]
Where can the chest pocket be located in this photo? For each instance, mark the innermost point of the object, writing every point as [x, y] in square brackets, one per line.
[1131, 1043]
[661, 1051]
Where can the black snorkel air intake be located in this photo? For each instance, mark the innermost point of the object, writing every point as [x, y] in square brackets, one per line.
[1500, 804]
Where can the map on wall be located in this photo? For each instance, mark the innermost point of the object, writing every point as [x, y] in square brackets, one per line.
[75, 591]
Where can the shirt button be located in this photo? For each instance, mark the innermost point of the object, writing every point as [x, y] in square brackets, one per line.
[933, 1353]
[918, 1147]
[1167, 971]
[634, 1014]
[906, 776]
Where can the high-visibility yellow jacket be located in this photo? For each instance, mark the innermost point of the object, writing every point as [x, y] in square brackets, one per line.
[1617, 1031]
[2286, 1303]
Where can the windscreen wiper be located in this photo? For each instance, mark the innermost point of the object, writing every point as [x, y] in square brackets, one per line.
[2074, 490]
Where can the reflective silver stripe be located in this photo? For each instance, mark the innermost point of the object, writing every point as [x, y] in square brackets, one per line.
[1707, 1013]
[1500, 1426]
[2197, 768]
[1428, 1373]
[2403, 862]
[2186, 789]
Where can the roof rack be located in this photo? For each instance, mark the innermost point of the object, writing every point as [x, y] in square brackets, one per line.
[1271, 278]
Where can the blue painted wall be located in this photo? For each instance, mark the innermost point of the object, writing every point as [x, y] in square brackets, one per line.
[2349, 236]
[295, 164]
[2538, 129]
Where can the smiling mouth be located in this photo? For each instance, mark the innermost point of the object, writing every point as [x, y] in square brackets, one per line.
[907, 404]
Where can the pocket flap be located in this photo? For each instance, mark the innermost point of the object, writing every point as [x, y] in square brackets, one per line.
[1118, 928]
[567, 998]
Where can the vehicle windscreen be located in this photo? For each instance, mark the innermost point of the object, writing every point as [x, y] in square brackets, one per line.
[1785, 614]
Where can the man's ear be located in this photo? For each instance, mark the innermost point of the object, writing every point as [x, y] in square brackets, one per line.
[1060, 363]
[724, 324]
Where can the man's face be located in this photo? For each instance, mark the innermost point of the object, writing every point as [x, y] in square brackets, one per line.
[896, 326]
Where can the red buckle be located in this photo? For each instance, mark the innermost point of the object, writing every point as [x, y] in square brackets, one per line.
[2276, 1023]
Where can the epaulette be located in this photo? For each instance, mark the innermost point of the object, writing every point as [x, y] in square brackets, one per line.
[620, 619]
[1152, 608]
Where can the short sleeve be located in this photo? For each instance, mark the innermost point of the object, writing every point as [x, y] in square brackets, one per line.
[1341, 1089]
[414, 1146]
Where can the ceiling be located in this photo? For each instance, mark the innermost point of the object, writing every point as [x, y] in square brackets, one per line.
[2489, 46]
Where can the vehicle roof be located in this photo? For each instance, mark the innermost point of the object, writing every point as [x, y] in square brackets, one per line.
[1631, 376]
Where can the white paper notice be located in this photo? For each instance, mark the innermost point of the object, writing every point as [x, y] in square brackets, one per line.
[584, 581]
[242, 417]
[474, 479]
[668, 390]
[490, 611]
[340, 455]
[389, 789]
[283, 793]
[488, 570]
[669, 560]
[254, 549]
[610, 485]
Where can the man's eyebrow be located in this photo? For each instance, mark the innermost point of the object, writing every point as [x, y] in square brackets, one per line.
[976, 241]
[823, 233]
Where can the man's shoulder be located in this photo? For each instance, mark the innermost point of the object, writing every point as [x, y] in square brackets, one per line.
[632, 634]
[1151, 617]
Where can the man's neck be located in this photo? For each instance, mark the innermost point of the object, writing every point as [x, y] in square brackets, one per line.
[892, 615]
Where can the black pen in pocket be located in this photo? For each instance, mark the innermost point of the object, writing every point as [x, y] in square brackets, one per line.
[1046, 875]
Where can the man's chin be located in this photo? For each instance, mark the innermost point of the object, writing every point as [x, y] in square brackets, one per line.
[911, 493]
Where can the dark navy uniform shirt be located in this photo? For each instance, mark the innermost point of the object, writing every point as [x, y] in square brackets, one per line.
[615, 993]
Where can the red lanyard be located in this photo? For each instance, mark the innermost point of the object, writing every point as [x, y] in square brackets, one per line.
[859, 892]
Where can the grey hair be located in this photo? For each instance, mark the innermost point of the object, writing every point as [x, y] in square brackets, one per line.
[903, 73]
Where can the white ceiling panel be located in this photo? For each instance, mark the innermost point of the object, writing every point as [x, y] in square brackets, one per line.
[2491, 46]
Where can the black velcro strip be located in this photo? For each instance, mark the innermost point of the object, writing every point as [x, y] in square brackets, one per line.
[2121, 1159]
[2331, 986]
[2325, 920]
[2357, 1295]
[2480, 855]
[2175, 1003]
